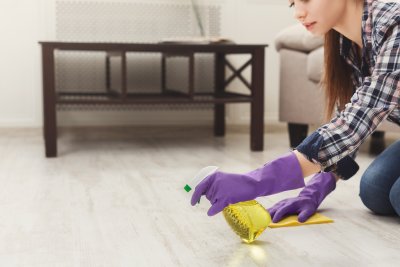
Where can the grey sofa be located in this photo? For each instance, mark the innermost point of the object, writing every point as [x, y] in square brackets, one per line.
[301, 100]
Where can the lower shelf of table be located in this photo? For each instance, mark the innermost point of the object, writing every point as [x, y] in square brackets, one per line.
[103, 98]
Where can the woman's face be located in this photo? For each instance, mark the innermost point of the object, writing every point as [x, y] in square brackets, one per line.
[319, 16]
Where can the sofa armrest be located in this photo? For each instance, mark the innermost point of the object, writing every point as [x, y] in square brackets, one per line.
[315, 64]
[297, 37]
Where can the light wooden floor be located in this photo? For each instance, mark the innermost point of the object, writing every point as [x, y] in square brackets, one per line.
[114, 197]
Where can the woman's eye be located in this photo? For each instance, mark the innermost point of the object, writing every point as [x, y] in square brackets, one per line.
[291, 5]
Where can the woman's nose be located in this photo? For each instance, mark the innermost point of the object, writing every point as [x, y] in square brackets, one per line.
[300, 13]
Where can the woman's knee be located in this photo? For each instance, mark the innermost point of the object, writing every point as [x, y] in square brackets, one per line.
[394, 196]
[374, 193]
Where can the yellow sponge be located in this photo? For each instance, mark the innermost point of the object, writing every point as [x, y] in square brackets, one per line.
[292, 221]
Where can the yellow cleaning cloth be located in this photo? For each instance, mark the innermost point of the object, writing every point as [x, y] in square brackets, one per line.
[292, 221]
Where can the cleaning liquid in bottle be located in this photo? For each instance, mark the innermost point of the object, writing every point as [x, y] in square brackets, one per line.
[247, 219]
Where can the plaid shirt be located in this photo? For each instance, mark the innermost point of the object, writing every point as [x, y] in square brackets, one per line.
[377, 87]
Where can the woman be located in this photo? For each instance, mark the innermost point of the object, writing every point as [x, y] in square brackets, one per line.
[362, 82]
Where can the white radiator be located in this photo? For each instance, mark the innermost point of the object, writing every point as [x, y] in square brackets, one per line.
[143, 21]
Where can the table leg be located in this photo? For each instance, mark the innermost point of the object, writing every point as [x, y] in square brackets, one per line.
[49, 102]
[163, 73]
[124, 82]
[257, 105]
[191, 75]
[219, 109]
[108, 73]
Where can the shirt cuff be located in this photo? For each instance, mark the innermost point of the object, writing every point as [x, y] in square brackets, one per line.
[310, 147]
[345, 168]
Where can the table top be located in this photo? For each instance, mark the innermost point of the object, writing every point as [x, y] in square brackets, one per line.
[156, 47]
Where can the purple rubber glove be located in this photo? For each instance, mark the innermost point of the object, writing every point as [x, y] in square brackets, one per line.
[307, 202]
[223, 189]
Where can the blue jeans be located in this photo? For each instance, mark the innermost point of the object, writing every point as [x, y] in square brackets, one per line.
[380, 184]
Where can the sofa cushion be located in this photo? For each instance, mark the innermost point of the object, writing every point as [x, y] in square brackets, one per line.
[297, 37]
[315, 64]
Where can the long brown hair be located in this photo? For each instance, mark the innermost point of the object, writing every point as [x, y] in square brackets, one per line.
[337, 75]
[337, 79]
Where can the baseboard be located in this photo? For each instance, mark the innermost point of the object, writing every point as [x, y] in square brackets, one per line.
[269, 127]
[157, 117]
[18, 123]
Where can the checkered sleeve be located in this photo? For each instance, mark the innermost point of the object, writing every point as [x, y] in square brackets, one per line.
[371, 103]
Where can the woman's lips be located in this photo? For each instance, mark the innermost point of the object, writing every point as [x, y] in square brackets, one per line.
[310, 25]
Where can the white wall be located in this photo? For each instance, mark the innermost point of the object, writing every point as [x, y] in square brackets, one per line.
[20, 94]
[258, 21]
[24, 22]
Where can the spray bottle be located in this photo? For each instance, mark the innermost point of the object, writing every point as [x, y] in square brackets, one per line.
[247, 219]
